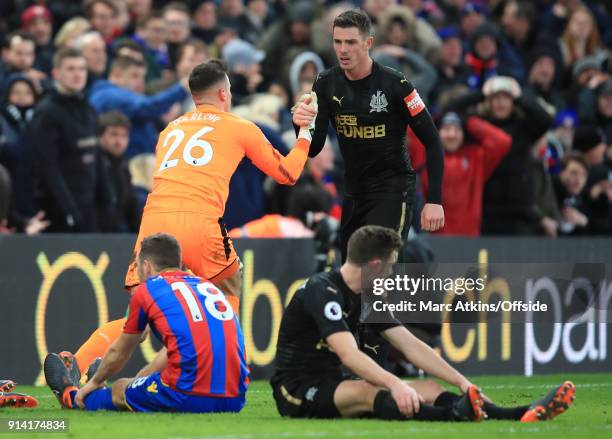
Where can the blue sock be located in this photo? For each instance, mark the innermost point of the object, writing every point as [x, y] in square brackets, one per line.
[100, 399]
[72, 394]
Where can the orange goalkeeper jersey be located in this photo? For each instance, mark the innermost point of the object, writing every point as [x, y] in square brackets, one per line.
[197, 153]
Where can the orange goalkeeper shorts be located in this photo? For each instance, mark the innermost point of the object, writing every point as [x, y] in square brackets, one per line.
[206, 248]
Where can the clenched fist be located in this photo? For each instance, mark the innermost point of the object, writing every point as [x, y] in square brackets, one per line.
[305, 111]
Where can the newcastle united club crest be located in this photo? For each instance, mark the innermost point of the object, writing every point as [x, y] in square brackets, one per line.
[378, 102]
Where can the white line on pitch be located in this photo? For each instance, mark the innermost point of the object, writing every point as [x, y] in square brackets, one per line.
[354, 433]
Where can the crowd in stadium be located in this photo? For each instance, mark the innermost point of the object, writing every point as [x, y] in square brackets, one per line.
[521, 92]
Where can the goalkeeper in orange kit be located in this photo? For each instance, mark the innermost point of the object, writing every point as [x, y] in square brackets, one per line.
[196, 156]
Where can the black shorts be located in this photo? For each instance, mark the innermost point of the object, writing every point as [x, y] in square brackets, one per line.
[306, 396]
[393, 210]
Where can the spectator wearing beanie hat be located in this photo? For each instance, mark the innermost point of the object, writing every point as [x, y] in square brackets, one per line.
[591, 143]
[585, 68]
[472, 151]
[545, 66]
[558, 141]
[490, 55]
[595, 104]
[244, 68]
[37, 20]
[587, 76]
[545, 166]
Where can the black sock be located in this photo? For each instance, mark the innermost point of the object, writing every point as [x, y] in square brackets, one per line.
[386, 408]
[496, 412]
[493, 411]
[446, 399]
[433, 413]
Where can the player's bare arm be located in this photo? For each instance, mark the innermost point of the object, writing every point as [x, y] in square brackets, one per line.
[345, 346]
[158, 364]
[424, 357]
[115, 359]
[283, 169]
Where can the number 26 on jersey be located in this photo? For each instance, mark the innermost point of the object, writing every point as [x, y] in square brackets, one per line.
[196, 151]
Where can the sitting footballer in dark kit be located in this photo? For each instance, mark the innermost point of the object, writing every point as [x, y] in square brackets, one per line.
[316, 339]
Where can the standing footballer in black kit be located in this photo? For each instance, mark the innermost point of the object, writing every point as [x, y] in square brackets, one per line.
[370, 107]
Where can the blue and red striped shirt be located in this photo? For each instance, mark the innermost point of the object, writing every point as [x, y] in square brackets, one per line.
[197, 325]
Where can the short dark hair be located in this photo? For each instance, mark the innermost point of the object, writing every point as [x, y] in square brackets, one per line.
[64, 53]
[308, 197]
[130, 44]
[125, 62]
[8, 40]
[162, 249]
[112, 119]
[89, 5]
[372, 242]
[206, 75]
[574, 156]
[355, 18]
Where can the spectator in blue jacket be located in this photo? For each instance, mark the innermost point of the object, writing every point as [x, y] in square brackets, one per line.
[123, 92]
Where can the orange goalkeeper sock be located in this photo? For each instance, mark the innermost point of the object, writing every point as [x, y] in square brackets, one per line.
[98, 343]
[234, 301]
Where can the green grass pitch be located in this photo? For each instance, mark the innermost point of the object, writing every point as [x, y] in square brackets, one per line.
[590, 417]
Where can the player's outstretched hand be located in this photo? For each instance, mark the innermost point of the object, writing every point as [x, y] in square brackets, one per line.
[407, 399]
[465, 386]
[79, 399]
[432, 217]
[305, 112]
